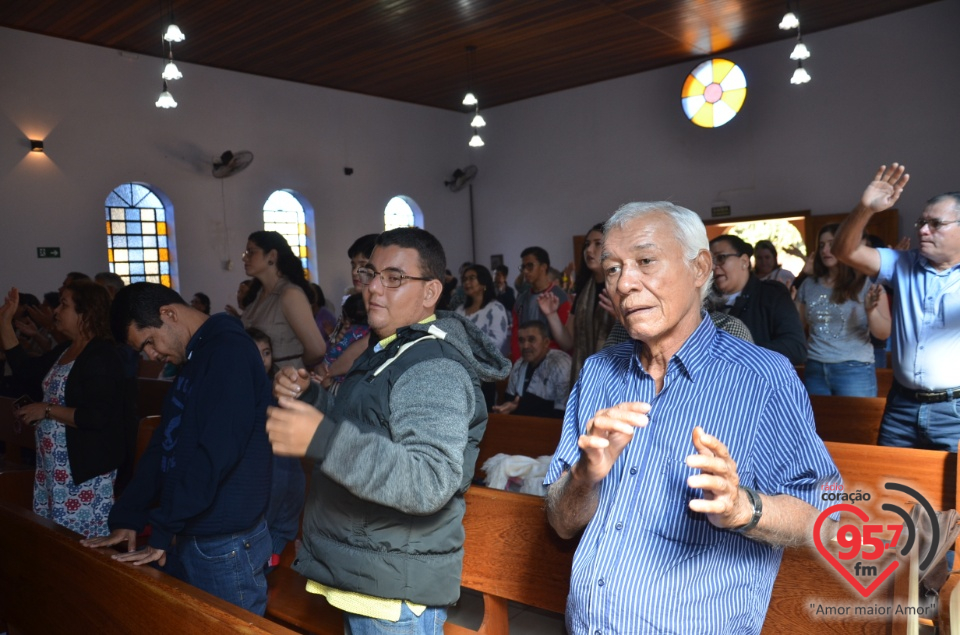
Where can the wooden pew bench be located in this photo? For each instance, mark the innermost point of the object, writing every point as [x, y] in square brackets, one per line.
[50, 584]
[150, 395]
[848, 419]
[18, 442]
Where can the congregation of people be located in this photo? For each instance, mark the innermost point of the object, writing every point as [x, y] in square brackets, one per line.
[387, 390]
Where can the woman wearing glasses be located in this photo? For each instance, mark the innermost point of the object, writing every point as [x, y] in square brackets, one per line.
[840, 310]
[277, 301]
[763, 305]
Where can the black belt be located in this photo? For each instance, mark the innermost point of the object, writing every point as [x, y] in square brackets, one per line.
[932, 396]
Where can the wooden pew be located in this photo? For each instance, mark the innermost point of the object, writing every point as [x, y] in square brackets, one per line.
[513, 434]
[848, 419]
[150, 368]
[50, 584]
[19, 441]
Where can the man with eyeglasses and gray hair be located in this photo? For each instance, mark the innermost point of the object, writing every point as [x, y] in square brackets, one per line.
[922, 408]
[395, 451]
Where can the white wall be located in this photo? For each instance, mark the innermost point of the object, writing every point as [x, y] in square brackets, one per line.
[94, 109]
[883, 90]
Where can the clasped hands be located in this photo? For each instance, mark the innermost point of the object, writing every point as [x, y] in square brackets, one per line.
[292, 425]
[611, 429]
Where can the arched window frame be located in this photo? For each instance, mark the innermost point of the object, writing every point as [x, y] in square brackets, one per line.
[413, 207]
[306, 230]
[125, 202]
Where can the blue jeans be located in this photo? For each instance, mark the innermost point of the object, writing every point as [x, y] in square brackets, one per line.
[287, 494]
[429, 623]
[929, 426]
[230, 567]
[843, 379]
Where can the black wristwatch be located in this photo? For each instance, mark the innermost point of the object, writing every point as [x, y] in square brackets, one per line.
[757, 504]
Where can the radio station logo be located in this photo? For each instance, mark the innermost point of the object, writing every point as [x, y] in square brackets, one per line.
[864, 545]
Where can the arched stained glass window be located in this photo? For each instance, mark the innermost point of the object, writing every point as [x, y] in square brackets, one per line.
[140, 236]
[402, 211]
[713, 93]
[284, 213]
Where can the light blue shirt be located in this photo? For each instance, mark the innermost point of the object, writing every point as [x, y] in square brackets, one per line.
[926, 320]
[646, 563]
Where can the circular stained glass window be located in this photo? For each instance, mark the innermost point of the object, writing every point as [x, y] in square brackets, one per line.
[713, 93]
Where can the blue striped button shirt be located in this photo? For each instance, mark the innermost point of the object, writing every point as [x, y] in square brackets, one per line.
[646, 563]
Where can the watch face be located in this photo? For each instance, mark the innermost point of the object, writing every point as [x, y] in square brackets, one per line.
[713, 93]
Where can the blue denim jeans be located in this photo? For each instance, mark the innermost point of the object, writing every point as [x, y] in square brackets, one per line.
[429, 623]
[844, 379]
[929, 426]
[230, 567]
[287, 494]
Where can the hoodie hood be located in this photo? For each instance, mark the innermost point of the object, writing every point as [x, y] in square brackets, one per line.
[471, 342]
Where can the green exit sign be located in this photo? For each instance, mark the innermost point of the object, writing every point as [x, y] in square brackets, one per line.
[48, 252]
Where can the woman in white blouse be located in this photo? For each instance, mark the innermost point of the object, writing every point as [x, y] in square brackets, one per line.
[483, 310]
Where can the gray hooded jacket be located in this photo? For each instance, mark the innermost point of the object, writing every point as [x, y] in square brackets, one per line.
[394, 454]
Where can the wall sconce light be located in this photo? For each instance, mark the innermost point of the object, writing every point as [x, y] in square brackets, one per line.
[36, 145]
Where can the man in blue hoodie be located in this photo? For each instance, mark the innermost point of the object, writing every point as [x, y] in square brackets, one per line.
[208, 464]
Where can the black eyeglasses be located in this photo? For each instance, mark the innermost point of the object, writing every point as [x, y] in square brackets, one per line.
[935, 223]
[719, 259]
[389, 278]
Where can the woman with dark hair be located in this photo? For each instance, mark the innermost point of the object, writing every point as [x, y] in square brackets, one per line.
[764, 306]
[351, 337]
[834, 305]
[481, 307]
[324, 317]
[201, 302]
[278, 301]
[86, 424]
[589, 323]
[766, 266]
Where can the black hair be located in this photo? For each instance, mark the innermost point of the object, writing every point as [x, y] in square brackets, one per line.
[288, 264]
[768, 245]
[583, 273]
[354, 310]
[536, 324]
[318, 297]
[109, 280]
[51, 299]
[502, 269]
[537, 252]
[73, 276]
[363, 246]
[259, 336]
[433, 261]
[139, 304]
[739, 245]
[28, 299]
[204, 301]
[485, 280]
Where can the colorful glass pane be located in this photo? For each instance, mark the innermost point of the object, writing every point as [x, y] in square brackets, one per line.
[137, 230]
[284, 214]
[713, 93]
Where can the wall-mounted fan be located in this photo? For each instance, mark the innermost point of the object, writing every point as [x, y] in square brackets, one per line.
[460, 178]
[230, 163]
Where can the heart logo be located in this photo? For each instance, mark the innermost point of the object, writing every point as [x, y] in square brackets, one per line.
[855, 583]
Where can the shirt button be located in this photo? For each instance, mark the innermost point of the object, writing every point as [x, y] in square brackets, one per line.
[619, 526]
[600, 582]
[597, 633]
[633, 471]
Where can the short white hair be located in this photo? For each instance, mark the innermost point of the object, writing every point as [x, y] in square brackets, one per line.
[688, 229]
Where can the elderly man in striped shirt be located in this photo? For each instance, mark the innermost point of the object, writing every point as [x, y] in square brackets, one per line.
[688, 457]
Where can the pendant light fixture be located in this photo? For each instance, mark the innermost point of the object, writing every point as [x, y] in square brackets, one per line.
[170, 70]
[800, 76]
[471, 100]
[800, 51]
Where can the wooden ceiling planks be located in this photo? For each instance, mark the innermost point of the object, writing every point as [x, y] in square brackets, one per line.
[414, 50]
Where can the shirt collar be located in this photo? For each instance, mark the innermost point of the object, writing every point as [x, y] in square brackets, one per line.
[693, 356]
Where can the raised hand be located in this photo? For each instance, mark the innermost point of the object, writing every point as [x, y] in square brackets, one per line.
[885, 188]
[873, 297]
[290, 382]
[10, 305]
[549, 303]
[608, 432]
[719, 481]
[291, 427]
[903, 245]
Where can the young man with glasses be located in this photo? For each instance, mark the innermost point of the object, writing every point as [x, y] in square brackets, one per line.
[535, 268]
[395, 450]
[922, 407]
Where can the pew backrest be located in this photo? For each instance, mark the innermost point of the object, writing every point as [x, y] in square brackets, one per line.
[517, 435]
[19, 441]
[848, 419]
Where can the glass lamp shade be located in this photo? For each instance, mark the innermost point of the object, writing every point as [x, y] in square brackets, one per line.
[174, 34]
[171, 71]
[476, 141]
[165, 100]
[789, 21]
[800, 76]
[469, 100]
[800, 52]
[478, 121]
